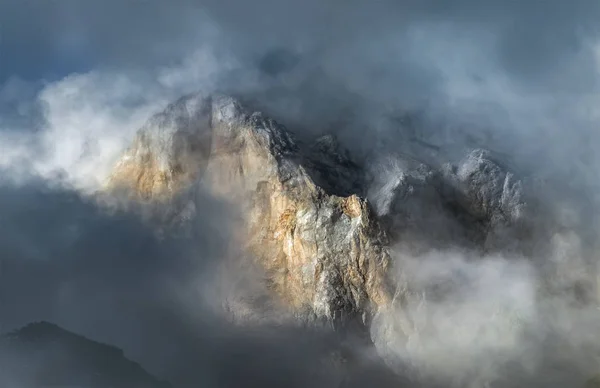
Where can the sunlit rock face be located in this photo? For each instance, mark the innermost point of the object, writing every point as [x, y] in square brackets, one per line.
[324, 254]
[169, 151]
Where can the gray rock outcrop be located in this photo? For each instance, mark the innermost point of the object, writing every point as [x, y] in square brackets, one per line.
[492, 197]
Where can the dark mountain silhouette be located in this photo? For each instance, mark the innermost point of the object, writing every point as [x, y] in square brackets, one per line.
[42, 354]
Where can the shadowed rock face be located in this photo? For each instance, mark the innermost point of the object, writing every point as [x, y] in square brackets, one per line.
[44, 355]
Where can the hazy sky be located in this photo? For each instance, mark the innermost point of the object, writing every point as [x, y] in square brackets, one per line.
[79, 77]
[527, 67]
[531, 41]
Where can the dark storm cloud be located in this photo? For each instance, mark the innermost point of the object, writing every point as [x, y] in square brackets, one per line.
[533, 38]
[352, 54]
[69, 261]
[109, 277]
[54, 38]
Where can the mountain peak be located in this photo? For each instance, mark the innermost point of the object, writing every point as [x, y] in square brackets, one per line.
[306, 216]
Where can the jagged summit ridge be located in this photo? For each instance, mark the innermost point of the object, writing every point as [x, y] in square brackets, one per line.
[324, 254]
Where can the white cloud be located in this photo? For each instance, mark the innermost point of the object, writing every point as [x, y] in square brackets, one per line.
[88, 119]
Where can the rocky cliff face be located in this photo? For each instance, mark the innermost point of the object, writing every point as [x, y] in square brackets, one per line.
[324, 253]
[319, 224]
[306, 218]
